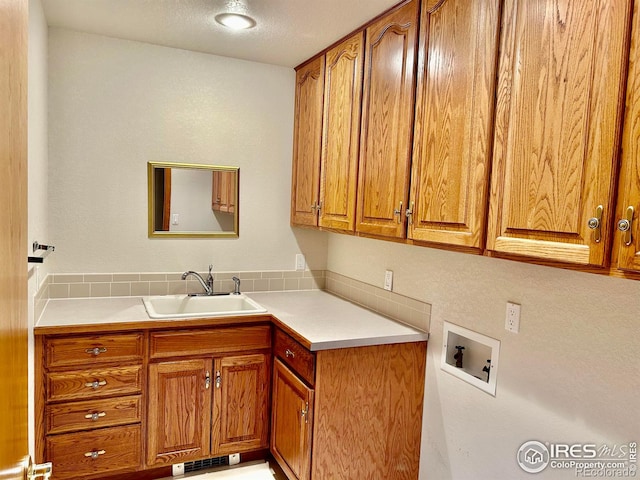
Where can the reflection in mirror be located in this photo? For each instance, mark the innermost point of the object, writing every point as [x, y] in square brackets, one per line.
[192, 200]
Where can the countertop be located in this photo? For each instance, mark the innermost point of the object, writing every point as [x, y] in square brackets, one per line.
[318, 319]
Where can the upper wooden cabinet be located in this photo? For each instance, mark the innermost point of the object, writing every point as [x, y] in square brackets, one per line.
[454, 121]
[325, 161]
[557, 128]
[223, 190]
[626, 246]
[518, 146]
[306, 145]
[387, 122]
[340, 134]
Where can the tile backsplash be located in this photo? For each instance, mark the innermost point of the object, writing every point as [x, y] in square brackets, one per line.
[404, 309]
[67, 285]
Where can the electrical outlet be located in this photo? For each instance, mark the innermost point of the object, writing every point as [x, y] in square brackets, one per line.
[301, 263]
[512, 321]
[388, 280]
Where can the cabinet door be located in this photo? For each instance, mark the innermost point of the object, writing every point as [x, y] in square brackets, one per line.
[241, 404]
[291, 423]
[307, 134]
[179, 420]
[341, 132]
[557, 128]
[454, 121]
[387, 122]
[626, 247]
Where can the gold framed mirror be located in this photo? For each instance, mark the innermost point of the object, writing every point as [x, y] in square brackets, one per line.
[188, 200]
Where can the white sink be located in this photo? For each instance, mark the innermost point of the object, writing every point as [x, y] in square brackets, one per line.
[184, 306]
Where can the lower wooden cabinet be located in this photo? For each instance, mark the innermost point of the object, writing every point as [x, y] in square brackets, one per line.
[209, 406]
[359, 417]
[123, 402]
[95, 452]
[179, 411]
[195, 393]
[90, 403]
[291, 422]
[241, 403]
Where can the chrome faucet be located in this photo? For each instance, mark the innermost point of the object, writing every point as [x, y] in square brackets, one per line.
[207, 285]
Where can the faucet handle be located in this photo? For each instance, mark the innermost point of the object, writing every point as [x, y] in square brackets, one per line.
[210, 277]
[236, 280]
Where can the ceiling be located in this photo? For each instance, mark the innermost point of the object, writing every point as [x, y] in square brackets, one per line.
[287, 31]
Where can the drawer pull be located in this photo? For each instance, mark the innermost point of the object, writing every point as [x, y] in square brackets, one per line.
[96, 351]
[95, 416]
[95, 454]
[96, 384]
[288, 353]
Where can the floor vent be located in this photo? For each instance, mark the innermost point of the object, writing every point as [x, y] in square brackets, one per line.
[206, 463]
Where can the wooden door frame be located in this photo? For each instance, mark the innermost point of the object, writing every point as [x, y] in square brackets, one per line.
[14, 22]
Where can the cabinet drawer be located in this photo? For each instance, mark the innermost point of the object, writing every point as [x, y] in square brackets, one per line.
[81, 454]
[88, 414]
[88, 350]
[297, 357]
[208, 341]
[95, 383]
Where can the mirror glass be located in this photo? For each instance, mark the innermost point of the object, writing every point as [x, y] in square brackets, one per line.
[192, 200]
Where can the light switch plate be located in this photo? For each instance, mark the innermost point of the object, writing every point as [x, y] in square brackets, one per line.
[388, 280]
[301, 263]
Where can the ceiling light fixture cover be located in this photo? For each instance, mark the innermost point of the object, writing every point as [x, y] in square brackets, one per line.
[236, 21]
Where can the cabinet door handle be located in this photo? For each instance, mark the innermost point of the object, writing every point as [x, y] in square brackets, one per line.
[288, 353]
[304, 412]
[96, 351]
[218, 379]
[95, 454]
[595, 224]
[207, 380]
[624, 225]
[398, 213]
[95, 416]
[96, 384]
[409, 214]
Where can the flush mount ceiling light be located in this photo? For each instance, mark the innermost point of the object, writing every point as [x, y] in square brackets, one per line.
[235, 21]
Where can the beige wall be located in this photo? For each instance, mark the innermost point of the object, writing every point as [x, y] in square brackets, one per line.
[114, 105]
[570, 375]
[38, 166]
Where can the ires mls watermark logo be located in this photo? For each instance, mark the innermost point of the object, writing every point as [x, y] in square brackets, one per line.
[584, 459]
